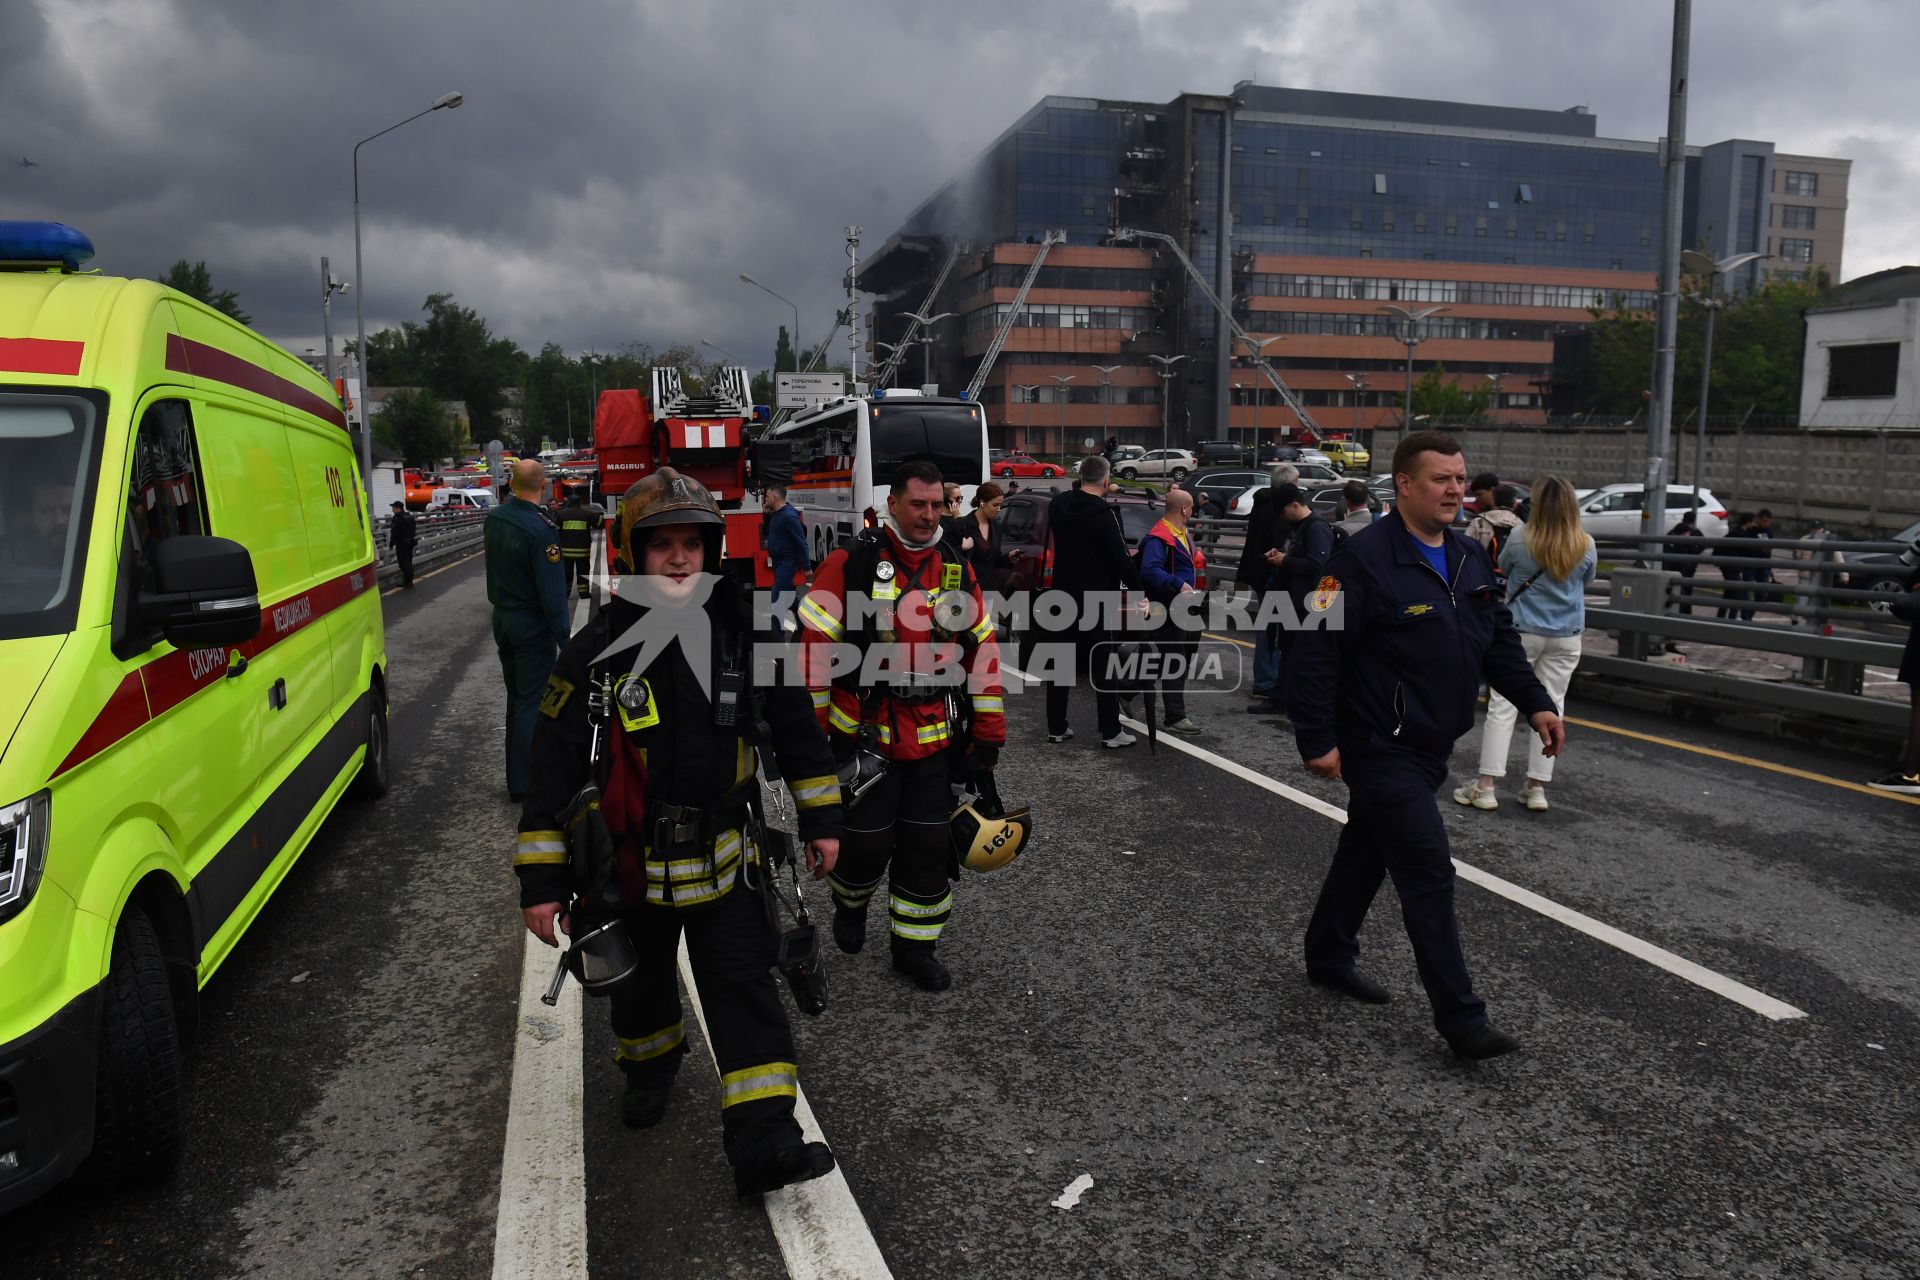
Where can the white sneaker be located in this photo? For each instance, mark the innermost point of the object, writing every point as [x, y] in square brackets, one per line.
[1060, 737]
[1473, 795]
[1184, 726]
[1534, 796]
[1120, 739]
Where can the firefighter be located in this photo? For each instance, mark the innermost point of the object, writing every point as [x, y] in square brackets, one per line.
[926, 657]
[578, 519]
[678, 773]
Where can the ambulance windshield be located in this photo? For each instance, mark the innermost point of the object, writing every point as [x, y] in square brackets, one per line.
[46, 451]
[948, 435]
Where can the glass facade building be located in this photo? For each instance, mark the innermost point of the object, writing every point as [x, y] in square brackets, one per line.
[1517, 221]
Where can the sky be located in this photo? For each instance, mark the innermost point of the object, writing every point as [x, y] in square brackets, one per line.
[616, 164]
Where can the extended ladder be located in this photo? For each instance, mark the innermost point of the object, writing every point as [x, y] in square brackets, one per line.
[1239, 335]
[892, 366]
[1013, 315]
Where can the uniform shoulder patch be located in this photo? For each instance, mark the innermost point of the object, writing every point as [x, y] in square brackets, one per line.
[558, 691]
[553, 553]
[1324, 593]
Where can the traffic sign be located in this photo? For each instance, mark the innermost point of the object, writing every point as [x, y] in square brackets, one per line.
[806, 390]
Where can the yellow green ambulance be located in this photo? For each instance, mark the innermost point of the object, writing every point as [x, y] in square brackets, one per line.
[192, 674]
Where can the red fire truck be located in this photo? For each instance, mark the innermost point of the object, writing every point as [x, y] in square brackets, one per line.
[701, 435]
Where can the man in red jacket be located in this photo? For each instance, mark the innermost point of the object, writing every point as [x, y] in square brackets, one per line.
[899, 655]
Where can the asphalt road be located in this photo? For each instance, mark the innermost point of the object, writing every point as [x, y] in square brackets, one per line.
[1128, 1005]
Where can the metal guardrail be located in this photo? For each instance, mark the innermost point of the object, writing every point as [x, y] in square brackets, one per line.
[1650, 582]
[440, 537]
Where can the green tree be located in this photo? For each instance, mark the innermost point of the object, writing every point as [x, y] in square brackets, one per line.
[1438, 396]
[784, 356]
[415, 422]
[194, 280]
[462, 360]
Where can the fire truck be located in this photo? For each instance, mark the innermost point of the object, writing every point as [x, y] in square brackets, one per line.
[702, 435]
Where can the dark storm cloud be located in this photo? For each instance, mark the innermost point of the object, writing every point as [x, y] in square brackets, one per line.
[616, 165]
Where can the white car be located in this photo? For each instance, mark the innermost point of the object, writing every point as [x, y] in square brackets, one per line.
[462, 500]
[1613, 511]
[1170, 464]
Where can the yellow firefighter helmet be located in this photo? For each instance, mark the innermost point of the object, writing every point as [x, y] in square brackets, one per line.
[667, 497]
[985, 836]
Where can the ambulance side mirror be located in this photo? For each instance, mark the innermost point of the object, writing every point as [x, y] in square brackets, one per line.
[205, 595]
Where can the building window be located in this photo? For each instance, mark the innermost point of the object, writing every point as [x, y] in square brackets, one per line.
[1559, 231]
[1300, 217]
[1480, 226]
[1306, 178]
[1524, 195]
[1513, 228]
[1379, 184]
[1356, 222]
[1792, 250]
[1864, 371]
[1796, 217]
[1453, 224]
[1386, 221]
[1797, 183]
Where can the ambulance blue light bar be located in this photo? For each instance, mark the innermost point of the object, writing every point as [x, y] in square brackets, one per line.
[44, 242]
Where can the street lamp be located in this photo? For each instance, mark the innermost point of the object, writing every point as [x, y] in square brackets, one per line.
[328, 287]
[1259, 349]
[1032, 396]
[1411, 319]
[926, 341]
[797, 348]
[731, 358]
[448, 101]
[1359, 381]
[1166, 364]
[891, 347]
[1063, 379]
[1693, 262]
[1106, 396]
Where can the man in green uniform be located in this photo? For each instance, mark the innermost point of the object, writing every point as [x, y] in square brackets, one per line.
[528, 591]
[578, 519]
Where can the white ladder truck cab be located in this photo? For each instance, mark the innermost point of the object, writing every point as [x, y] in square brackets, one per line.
[838, 460]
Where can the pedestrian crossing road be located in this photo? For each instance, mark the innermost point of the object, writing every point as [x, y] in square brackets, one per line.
[1128, 1009]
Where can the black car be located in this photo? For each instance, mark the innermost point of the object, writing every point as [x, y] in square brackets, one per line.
[1223, 453]
[1887, 571]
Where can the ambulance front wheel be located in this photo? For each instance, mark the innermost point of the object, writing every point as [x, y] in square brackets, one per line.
[138, 1113]
[372, 781]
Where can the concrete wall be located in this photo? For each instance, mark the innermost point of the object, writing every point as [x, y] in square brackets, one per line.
[1865, 482]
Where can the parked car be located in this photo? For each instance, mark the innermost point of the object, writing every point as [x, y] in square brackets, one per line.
[994, 455]
[1224, 453]
[1318, 475]
[462, 500]
[1019, 464]
[1879, 570]
[1347, 455]
[1126, 453]
[1171, 463]
[1613, 511]
[1215, 488]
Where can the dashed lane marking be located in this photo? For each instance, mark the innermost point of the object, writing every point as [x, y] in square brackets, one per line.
[1721, 985]
[1806, 775]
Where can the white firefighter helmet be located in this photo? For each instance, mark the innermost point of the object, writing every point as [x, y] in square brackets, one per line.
[985, 836]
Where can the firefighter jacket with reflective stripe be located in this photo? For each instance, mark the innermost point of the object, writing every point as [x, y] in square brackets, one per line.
[917, 628]
[663, 755]
[577, 523]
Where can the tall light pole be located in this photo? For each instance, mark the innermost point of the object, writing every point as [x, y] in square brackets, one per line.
[1032, 390]
[590, 359]
[1359, 381]
[328, 287]
[797, 348]
[1693, 262]
[1106, 372]
[892, 347]
[731, 358]
[1258, 347]
[447, 101]
[1166, 364]
[1410, 319]
[1063, 379]
[926, 341]
[1666, 320]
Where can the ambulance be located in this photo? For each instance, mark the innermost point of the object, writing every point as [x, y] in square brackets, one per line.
[192, 675]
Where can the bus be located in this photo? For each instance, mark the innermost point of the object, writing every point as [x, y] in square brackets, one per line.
[843, 455]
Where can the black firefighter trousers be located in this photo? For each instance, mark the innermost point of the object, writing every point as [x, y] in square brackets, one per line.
[732, 946]
[898, 832]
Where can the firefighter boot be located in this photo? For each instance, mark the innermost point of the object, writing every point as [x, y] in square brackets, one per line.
[784, 1168]
[917, 961]
[849, 928]
[643, 1106]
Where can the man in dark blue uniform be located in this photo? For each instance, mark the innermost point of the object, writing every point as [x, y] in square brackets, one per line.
[528, 591]
[1379, 701]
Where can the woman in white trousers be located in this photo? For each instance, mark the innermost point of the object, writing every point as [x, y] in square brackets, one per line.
[1547, 563]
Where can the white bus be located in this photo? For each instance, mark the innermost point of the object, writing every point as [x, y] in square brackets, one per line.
[844, 454]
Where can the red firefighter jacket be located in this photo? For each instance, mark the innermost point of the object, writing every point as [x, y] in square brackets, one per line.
[912, 628]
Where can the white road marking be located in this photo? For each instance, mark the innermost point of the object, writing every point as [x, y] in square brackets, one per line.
[821, 1231]
[542, 1226]
[1721, 985]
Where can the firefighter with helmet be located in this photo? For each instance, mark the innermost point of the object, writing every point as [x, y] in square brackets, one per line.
[577, 519]
[678, 773]
[908, 604]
